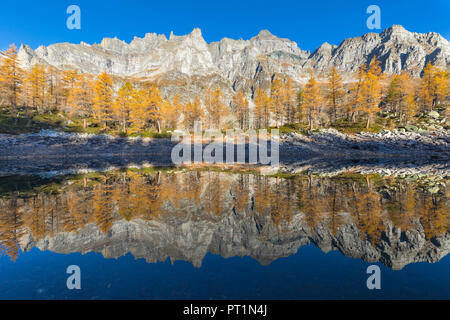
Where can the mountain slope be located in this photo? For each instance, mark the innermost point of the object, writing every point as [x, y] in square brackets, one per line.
[241, 64]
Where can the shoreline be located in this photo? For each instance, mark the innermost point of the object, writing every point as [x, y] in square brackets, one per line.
[326, 151]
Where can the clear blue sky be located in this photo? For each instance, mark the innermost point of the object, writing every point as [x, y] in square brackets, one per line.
[309, 23]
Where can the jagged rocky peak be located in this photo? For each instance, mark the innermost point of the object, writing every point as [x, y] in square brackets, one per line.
[191, 48]
[148, 42]
[399, 34]
[25, 48]
[195, 34]
[325, 49]
[28, 57]
[114, 44]
[137, 45]
[395, 29]
[266, 35]
[266, 42]
[371, 37]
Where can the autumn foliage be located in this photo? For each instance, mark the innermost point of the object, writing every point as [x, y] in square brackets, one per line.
[131, 105]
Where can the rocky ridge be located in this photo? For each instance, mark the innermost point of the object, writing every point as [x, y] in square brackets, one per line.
[188, 63]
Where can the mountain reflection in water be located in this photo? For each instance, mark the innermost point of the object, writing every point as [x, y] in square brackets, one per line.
[186, 214]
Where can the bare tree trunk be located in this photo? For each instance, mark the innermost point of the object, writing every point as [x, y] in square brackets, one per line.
[159, 126]
[335, 114]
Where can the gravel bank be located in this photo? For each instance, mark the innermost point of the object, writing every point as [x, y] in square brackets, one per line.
[328, 150]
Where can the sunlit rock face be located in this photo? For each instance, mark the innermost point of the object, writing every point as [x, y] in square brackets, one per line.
[241, 64]
[396, 48]
[185, 216]
[151, 55]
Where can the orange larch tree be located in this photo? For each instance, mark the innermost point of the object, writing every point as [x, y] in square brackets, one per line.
[81, 98]
[400, 97]
[103, 99]
[192, 113]
[277, 100]
[123, 104]
[312, 100]
[262, 109]
[335, 92]
[240, 109]
[371, 90]
[11, 78]
[36, 82]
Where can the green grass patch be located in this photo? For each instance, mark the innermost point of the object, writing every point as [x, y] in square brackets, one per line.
[359, 126]
[22, 123]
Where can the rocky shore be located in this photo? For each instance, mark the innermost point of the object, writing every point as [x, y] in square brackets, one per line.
[328, 151]
[431, 144]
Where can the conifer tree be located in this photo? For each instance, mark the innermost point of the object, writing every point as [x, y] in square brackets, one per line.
[300, 101]
[312, 100]
[355, 101]
[137, 114]
[81, 98]
[400, 96]
[434, 87]
[36, 81]
[289, 101]
[11, 78]
[214, 106]
[55, 87]
[427, 87]
[241, 111]
[68, 83]
[123, 104]
[153, 103]
[262, 109]
[103, 99]
[170, 112]
[277, 100]
[371, 90]
[192, 113]
[335, 92]
[442, 86]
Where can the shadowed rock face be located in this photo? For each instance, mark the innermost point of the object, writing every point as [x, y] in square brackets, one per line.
[183, 63]
[394, 221]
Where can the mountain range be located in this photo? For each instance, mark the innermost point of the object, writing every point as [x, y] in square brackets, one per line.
[191, 63]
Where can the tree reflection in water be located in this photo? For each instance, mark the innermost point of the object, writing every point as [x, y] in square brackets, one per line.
[259, 211]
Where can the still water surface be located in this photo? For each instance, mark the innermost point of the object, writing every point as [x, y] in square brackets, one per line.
[166, 234]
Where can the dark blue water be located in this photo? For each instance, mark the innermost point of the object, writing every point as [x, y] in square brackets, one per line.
[309, 274]
[182, 215]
